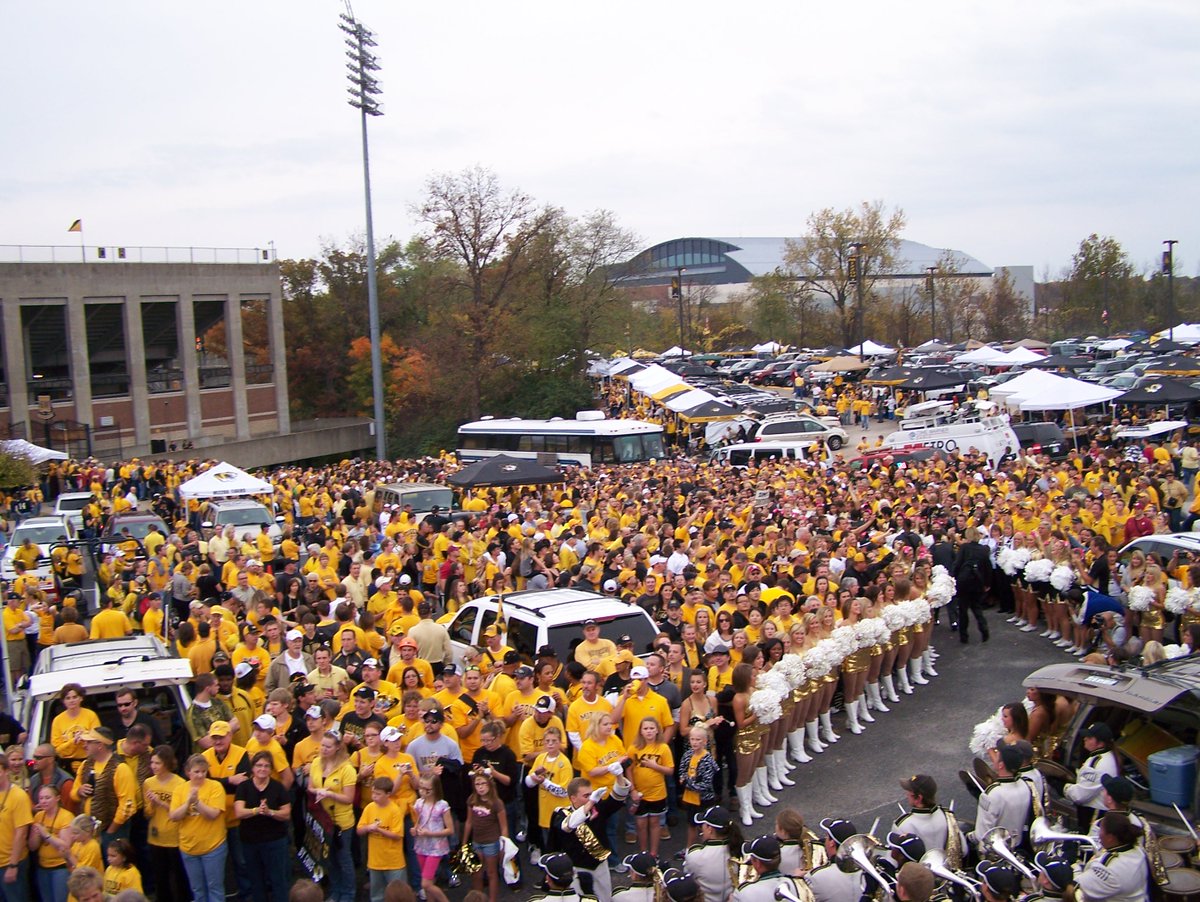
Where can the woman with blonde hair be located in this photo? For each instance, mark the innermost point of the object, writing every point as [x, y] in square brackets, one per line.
[1152, 622]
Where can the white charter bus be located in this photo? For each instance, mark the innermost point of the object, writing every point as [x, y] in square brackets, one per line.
[588, 439]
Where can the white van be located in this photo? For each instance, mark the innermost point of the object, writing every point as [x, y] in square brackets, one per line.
[248, 518]
[976, 424]
[423, 496]
[744, 454]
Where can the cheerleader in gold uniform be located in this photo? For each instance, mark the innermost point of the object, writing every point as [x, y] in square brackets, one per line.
[827, 622]
[747, 740]
[876, 651]
[854, 669]
[1152, 622]
[920, 633]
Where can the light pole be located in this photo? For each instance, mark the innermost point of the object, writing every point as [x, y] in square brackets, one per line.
[929, 272]
[677, 291]
[364, 96]
[1169, 269]
[1104, 312]
[854, 271]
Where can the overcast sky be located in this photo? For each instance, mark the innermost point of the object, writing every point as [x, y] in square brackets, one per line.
[1007, 130]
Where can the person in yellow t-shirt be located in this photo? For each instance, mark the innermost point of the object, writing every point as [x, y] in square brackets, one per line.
[264, 740]
[652, 762]
[121, 874]
[198, 806]
[331, 782]
[162, 833]
[382, 824]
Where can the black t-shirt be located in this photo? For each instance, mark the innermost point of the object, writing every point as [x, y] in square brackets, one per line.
[353, 727]
[505, 761]
[260, 828]
[10, 729]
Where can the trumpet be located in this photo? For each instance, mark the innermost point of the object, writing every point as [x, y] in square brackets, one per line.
[1042, 832]
[857, 851]
[935, 860]
[997, 840]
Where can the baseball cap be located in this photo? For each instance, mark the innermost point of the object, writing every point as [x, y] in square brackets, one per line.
[450, 670]
[397, 629]
[364, 692]
[432, 714]
[219, 728]
[681, 887]
[547, 651]
[293, 634]
[588, 623]
[656, 559]
[920, 784]
[98, 734]
[243, 669]
[1000, 878]
[389, 734]
[314, 711]
[1119, 788]
[252, 630]
[838, 829]
[558, 866]
[625, 640]
[639, 673]
[1100, 731]
[523, 671]
[371, 662]
[545, 703]
[301, 686]
[641, 863]
[610, 585]
[265, 722]
[1010, 757]
[491, 631]
[719, 649]
[909, 845]
[764, 848]
[512, 657]
[405, 579]
[408, 643]
[1057, 870]
[716, 817]
[382, 581]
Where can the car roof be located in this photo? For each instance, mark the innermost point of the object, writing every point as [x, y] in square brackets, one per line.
[106, 665]
[235, 502]
[563, 605]
[40, 521]
[1188, 540]
[412, 486]
[74, 495]
[1145, 689]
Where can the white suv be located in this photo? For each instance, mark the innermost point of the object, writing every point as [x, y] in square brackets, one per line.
[799, 428]
[248, 518]
[101, 667]
[44, 532]
[550, 617]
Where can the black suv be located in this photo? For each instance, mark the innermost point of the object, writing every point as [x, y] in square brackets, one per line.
[1042, 438]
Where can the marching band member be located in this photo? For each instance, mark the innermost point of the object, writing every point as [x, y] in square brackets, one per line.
[802, 849]
[902, 848]
[710, 860]
[1087, 790]
[937, 826]
[1055, 874]
[642, 867]
[999, 882]
[577, 829]
[763, 854]
[914, 883]
[1007, 803]
[834, 881]
[1118, 872]
[560, 875]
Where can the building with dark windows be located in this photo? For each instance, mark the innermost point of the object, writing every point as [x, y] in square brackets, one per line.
[116, 358]
[728, 264]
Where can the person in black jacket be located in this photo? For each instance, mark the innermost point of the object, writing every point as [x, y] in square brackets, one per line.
[973, 571]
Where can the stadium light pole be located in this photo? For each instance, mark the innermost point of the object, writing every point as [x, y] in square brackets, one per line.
[1169, 269]
[364, 96]
[855, 272]
[932, 270]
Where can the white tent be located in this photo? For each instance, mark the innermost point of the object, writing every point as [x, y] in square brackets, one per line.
[767, 347]
[36, 454]
[1114, 344]
[224, 481]
[621, 365]
[986, 356]
[1184, 333]
[688, 400]
[654, 379]
[675, 352]
[1028, 383]
[1018, 356]
[1071, 395]
[870, 349]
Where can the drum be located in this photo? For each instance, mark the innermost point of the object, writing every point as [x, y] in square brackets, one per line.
[1180, 845]
[1171, 860]
[1183, 885]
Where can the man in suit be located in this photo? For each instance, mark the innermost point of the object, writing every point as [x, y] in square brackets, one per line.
[973, 572]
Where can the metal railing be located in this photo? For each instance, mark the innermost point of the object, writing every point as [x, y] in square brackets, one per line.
[91, 253]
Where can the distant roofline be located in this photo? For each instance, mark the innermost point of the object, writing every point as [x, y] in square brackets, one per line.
[114, 253]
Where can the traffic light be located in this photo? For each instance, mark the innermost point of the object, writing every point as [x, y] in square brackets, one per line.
[676, 291]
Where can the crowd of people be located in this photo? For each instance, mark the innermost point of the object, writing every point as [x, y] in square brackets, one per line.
[328, 697]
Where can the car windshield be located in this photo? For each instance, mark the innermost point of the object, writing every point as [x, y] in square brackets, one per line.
[73, 504]
[244, 516]
[425, 500]
[39, 535]
[139, 529]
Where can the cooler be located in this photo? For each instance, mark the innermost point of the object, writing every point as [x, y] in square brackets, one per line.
[1173, 776]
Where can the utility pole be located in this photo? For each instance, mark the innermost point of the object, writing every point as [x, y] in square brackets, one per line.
[364, 96]
[677, 294]
[1169, 269]
[854, 271]
[929, 273]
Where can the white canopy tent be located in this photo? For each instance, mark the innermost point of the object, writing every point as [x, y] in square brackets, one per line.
[653, 379]
[1150, 430]
[1018, 356]
[1075, 393]
[870, 349]
[986, 356]
[224, 481]
[688, 400]
[1114, 344]
[1184, 333]
[767, 347]
[675, 352]
[1030, 382]
[35, 454]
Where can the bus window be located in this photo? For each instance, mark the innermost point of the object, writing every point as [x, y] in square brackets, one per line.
[652, 445]
[628, 448]
[602, 450]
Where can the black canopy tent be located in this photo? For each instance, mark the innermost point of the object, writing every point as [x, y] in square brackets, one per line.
[1161, 391]
[503, 470]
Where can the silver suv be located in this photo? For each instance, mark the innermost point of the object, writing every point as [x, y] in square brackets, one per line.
[798, 428]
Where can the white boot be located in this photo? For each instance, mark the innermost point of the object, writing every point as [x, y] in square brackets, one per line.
[827, 734]
[927, 663]
[875, 698]
[812, 734]
[902, 679]
[745, 805]
[762, 794]
[771, 766]
[864, 715]
[784, 762]
[852, 718]
[780, 769]
[890, 685]
[914, 672]
[796, 746]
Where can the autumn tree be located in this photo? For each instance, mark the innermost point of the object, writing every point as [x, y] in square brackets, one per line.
[954, 303]
[486, 232]
[1099, 290]
[819, 261]
[1003, 314]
